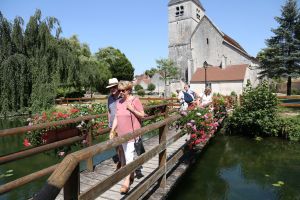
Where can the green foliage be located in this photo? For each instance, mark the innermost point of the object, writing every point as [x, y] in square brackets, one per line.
[233, 93]
[282, 56]
[36, 62]
[118, 63]
[257, 115]
[39, 137]
[151, 87]
[168, 70]
[174, 95]
[8, 173]
[141, 92]
[138, 87]
[151, 72]
[290, 127]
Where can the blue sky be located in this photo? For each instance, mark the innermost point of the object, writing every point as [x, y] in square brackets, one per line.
[139, 28]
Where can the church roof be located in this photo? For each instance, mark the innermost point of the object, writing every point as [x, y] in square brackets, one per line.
[233, 42]
[215, 73]
[197, 2]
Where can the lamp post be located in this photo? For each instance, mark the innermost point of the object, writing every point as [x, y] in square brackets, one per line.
[205, 65]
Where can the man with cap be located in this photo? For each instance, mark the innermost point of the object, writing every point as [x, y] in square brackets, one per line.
[111, 104]
[112, 109]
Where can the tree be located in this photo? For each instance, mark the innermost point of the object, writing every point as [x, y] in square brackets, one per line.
[151, 87]
[168, 70]
[119, 66]
[281, 58]
[138, 87]
[151, 72]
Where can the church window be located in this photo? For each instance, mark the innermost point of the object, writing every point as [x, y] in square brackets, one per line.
[198, 13]
[207, 41]
[179, 11]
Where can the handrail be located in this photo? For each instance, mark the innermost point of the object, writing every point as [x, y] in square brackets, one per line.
[288, 97]
[292, 105]
[66, 168]
[24, 129]
[80, 99]
[32, 151]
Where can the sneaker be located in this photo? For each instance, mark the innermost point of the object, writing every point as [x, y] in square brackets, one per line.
[118, 166]
[139, 174]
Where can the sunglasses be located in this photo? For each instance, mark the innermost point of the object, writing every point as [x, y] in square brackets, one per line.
[122, 90]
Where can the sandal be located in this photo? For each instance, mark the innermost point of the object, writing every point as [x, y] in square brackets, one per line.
[131, 179]
[124, 189]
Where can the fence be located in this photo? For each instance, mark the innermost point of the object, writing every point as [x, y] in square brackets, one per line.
[39, 149]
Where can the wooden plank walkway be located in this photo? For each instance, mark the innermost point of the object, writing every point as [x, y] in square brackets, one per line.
[107, 167]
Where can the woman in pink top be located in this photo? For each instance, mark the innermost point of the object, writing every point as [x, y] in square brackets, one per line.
[129, 111]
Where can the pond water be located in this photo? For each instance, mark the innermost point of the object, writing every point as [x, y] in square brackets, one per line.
[234, 167]
[31, 164]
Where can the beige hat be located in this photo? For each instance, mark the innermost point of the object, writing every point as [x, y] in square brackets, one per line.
[112, 82]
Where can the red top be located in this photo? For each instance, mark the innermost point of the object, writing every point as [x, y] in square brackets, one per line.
[127, 119]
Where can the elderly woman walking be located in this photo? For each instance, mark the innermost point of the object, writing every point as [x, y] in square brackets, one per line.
[129, 111]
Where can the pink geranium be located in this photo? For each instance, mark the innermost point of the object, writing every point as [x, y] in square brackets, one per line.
[26, 143]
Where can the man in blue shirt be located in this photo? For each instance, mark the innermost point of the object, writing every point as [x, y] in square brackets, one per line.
[112, 108]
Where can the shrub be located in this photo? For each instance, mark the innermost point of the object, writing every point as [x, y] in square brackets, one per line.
[138, 87]
[290, 128]
[141, 92]
[257, 115]
[174, 95]
[233, 93]
[151, 87]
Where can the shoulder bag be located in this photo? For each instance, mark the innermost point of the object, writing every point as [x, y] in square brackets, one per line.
[138, 142]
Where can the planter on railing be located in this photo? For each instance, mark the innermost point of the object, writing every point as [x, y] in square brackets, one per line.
[60, 134]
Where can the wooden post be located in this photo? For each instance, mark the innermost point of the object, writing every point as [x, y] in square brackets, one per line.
[89, 161]
[72, 186]
[163, 155]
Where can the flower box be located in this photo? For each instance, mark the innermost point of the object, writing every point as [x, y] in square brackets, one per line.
[60, 134]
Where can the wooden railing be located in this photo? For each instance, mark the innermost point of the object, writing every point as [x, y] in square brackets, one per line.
[87, 99]
[39, 149]
[66, 175]
[290, 105]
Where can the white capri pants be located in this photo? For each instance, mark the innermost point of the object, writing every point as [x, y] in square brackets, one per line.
[128, 151]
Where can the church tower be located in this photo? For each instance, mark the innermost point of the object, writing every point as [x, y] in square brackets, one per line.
[184, 15]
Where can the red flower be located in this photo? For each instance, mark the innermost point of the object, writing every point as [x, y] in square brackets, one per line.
[44, 116]
[193, 136]
[26, 143]
[74, 110]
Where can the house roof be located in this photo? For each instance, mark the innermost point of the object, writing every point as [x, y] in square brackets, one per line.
[141, 78]
[215, 73]
[197, 2]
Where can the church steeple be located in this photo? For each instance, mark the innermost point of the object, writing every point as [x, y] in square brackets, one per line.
[184, 16]
[197, 2]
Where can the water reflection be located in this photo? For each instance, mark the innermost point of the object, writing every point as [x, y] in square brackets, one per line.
[235, 167]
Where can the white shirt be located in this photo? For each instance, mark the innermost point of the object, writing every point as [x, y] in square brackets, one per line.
[180, 97]
[206, 99]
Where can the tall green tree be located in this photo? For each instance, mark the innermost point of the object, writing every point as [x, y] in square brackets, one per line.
[119, 65]
[281, 58]
[168, 70]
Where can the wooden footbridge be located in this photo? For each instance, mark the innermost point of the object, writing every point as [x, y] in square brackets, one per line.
[163, 163]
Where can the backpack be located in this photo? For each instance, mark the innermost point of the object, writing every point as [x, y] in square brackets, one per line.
[187, 97]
